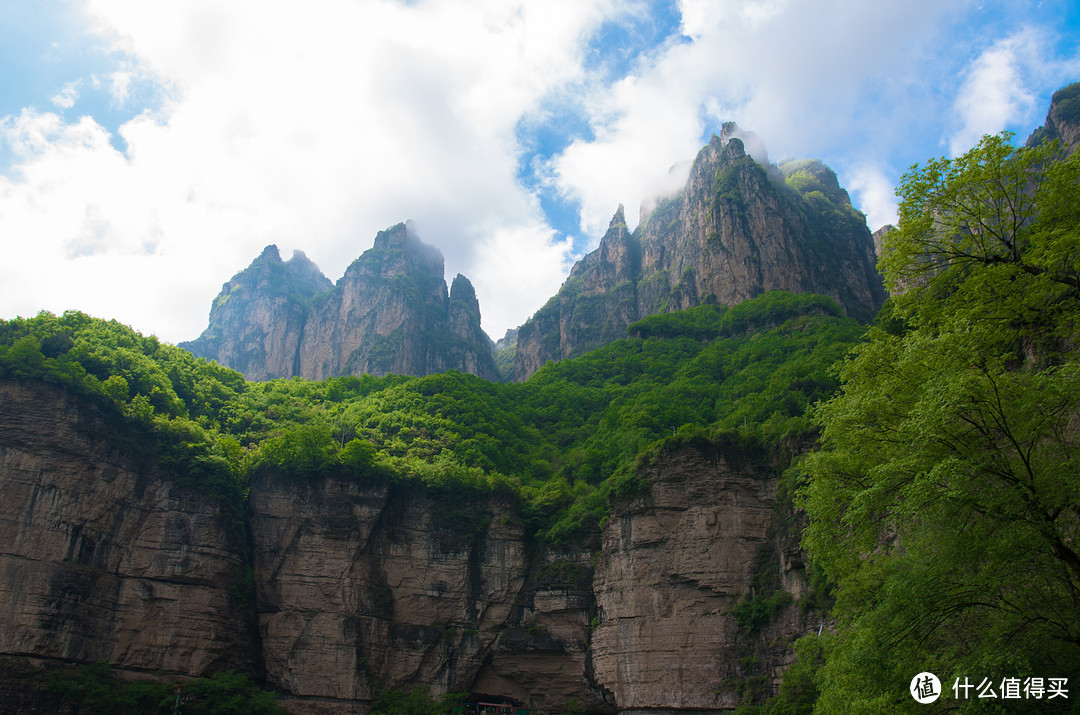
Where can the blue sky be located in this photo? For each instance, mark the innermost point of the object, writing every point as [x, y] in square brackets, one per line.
[148, 152]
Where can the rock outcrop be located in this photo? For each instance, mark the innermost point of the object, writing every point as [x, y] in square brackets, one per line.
[1062, 120]
[389, 313]
[103, 557]
[737, 229]
[676, 562]
[257, 320]
[364, 585]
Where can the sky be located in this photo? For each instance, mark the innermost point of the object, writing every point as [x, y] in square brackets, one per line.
[149, 151]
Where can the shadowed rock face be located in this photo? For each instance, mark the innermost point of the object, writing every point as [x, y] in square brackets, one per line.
[736, 230]
[390, 312]
[102, 555]
[361, 586]
[1062, 120]
[257, 320]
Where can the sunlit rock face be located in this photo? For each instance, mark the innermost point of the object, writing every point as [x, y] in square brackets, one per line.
[105, 557]
[390, 313]
[1062, 121]
[738, 228]
[362, 585]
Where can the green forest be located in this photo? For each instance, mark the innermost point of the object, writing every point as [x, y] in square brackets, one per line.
[943, 502]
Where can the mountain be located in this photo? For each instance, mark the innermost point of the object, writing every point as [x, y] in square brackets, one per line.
[257, 320]
[622, 532]
[1062, 120]
[740, 227]
[562, 545]
[389, 313]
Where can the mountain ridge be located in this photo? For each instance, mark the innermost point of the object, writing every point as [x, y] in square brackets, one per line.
[736, 230]
[390, 312]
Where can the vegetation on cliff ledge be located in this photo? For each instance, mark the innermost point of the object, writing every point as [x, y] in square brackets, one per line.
[560, 445]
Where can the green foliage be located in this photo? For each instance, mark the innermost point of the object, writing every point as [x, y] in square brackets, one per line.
[560, 447]
[228, 693]
[798, 690]
[807, 176]
[726, 181]
[417, 701]
[1067, 100]
[945, 501]
[94, 689]
[755, 612]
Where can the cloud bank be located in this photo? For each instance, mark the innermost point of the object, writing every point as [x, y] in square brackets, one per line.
[315, 127]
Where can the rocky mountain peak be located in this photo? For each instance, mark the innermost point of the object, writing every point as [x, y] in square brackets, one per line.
[618, 218]
[739, 227]
[462, 291]
[749, 142]
[390, 312]
[270, 253]
[1062, 120]
[399, 250]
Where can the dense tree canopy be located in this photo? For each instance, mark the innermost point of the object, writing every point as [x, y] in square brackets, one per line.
[561, 443]
[945, 501]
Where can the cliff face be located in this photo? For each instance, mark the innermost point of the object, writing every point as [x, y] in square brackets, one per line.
[593, 307]
[102, 556]
[369, 585]
[390, 312]
[360, 588]
[676, 562]
[1062, 120]
[257, 320]
[738, 228]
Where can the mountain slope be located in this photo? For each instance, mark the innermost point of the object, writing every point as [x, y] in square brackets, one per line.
[736, 230]
[389, 313]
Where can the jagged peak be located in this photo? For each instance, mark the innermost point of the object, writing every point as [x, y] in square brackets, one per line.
[749, 142]
[618, 218]
[394, 237]
[270, 253]
[1062, 120]
[303, 268]
[462, 289]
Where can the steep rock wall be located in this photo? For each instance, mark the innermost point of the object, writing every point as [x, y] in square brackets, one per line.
[675, 563]
[739, 227]
[257, 320]
[102, 556]
[389, 313]
[363, 585]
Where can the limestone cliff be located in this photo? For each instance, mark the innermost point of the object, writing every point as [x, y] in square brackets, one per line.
[257, 320]
[1062, 120]
[737, 229]
[592, 308]
[676, 562]
[363, 585]
[103, 556]
[390, 312]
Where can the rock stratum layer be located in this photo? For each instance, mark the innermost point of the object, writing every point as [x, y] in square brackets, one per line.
[360, 586]
[740, 227]
[389, 313]
[103, 557]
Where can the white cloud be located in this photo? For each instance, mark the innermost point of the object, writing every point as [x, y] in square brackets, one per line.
[994, 94]
[120, 86]
[66, 97]
[873, 192]
[500, 286]
[806, 76]
[313, 129]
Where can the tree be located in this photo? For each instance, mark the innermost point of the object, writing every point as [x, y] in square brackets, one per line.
[945, 500]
